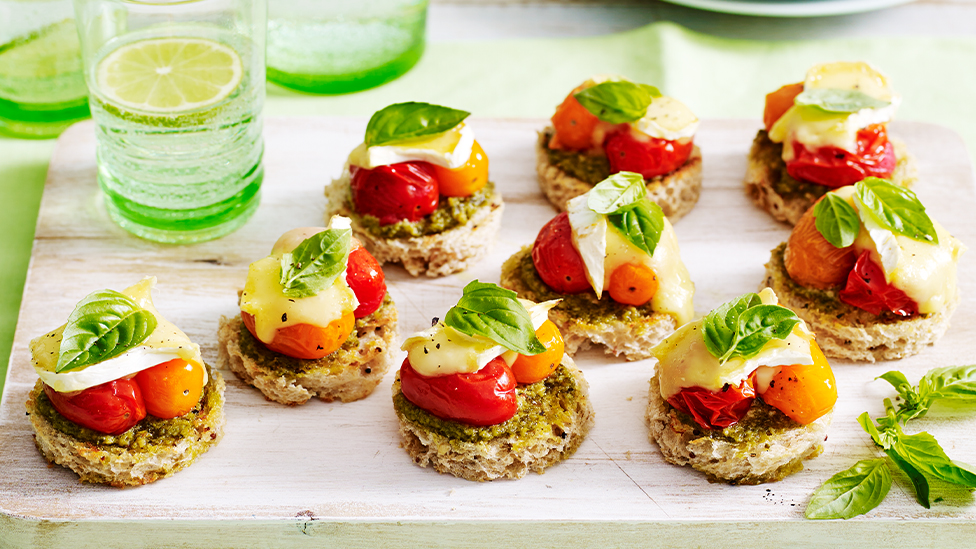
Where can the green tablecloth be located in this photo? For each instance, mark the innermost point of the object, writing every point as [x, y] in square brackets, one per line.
[528, 78]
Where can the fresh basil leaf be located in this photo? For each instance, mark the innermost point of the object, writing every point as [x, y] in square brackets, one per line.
[897, 380]
[919, 481]
[852, 492]
[837, 220]
[839, 101]
[760, 324]
[402, 121]
[642, 225]
[924, 453]
[617, 193]
[896, 208]
[103, 325]
[719, 326]
[868, 425]
[494, 312]
[314, 265]
[953, 382]
[617, 102]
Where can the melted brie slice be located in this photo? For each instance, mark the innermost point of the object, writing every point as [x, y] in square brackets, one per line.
[667, 118]
[450, 149]
[165, 343]
[846, 75]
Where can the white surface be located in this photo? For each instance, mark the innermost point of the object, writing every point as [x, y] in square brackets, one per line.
[790, 8]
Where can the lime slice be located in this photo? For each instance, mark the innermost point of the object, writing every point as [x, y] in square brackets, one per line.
[169, 75]
[46, 53]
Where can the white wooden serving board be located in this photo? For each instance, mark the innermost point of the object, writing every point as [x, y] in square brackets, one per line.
[334, 473]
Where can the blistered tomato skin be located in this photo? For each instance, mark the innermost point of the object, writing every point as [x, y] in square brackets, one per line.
[835, 167]
[867, 289]
[111, 408]
[366, 279]
[648, 156]
[803, 393]
[486, 397]
[467, 179]
[171, 389]
[306, 341]
[532, 368]
[813, 262]
[573, 125]
[556, 259]
[397, 192]
[632, 284]
[715, 409]
[780, 101]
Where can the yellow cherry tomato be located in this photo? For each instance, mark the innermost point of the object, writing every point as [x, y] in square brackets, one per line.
[632, 284]
[306, 341]
[574, 125]
[467, 179]
[171, 389]
[804, 393]
[529, 369]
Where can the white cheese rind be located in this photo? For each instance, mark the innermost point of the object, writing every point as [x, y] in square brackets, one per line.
[450, 149]
[590, 239]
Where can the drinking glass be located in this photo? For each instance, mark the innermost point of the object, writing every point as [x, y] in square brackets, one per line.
[42, 89]
[176, 89]
[338, 46]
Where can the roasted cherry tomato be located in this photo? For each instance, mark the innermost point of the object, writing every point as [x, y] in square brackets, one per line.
[365, 277]
[306, 341]
[486, 397]
[632, 284]
[867, 289]
[631, 151]
[835, 167]
[556, 260]
[779, 102]
[715, 409]
[467, 179]
[812, 261]
[111, 408]
[574, 125]
[171, 389]
[397, 192]
[532, 368]
[803, 393]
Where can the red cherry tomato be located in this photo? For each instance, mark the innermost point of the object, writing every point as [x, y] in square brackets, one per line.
[111, 408]
[715, 409]
[556, 260]
[365, 277]
[650, 157]
[836, 167]
[171, 389]
[306, 341]
[486, 397]
[397, 192]
[867, 289]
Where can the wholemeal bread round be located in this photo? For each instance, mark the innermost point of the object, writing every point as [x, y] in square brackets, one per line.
[785, 198]
[844, 331]
[547, 436]
[350, 373]
[624, 331]
[728, 457]
[676, 192]
[135, 457]
[435, 255]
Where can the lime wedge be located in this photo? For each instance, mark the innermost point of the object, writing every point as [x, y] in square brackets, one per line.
[46, 53]
[169, 75]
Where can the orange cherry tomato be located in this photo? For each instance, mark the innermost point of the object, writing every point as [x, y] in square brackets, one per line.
[529, 369]
[171, 389]
[804, 393]
[779, 102]
[574, 125]
[812, 261]
[467, 179]
[632, 284]
[306, 341]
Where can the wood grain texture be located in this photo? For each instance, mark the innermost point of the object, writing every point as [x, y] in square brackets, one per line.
[335, 471]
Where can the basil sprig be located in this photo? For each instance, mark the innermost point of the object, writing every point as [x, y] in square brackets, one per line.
[617, 102]
[314, 265]
[103, 325]
[616, 193]
[920, 456]
[741, 327]
[896, 208]
[402, 121]
[837, 220]
[622, 198]
[838, 101]
[491, 311]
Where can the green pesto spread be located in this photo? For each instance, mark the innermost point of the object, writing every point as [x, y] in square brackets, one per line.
[541, 405]
[591, 168]
[451, 212]
[147, 435]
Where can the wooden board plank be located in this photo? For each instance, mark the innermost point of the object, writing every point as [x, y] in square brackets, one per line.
[341, 463]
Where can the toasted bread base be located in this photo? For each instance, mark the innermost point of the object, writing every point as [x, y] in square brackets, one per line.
[121, 467]
[766, 167]
[676, 193]
[507, 456]
[848, 332]
[434, 255]
[630, 338]
[345, 376]
[682, 442]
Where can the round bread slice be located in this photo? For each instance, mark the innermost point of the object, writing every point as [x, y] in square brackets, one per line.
[350, 373]
[140, 455]
[676, 193]
[585, 320]
[554, 417]
[765, 446]
[844, 331]
[785, 198]
[435, 255]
